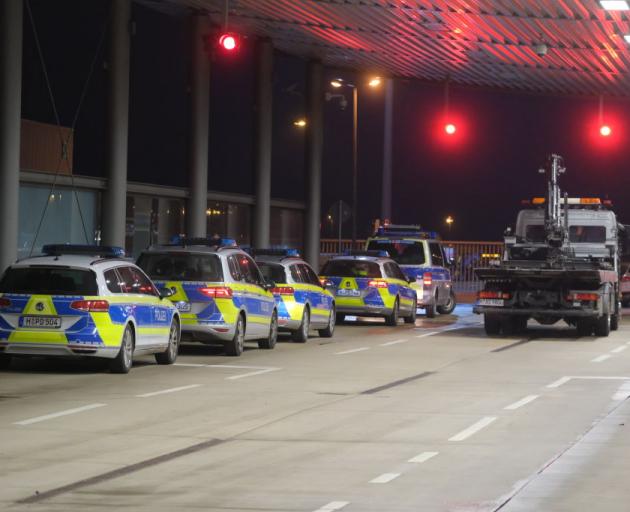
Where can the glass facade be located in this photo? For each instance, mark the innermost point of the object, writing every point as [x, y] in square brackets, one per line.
[287, 227]
[232, 220]
[62, 219]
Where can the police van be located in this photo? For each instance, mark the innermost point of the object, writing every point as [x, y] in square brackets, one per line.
[421, 257]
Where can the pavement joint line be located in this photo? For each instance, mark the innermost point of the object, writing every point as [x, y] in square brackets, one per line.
[332, 506]
[423, 457]
[619, 349]
[521, 402]
[512, 345]
[473, 429]
[352, 351]
[385, 478]
[167, 391]
[601, 359]
[396, 383]
[395, 342]
[59, 414]
[116, 473]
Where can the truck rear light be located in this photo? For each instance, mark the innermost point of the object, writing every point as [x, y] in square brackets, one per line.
[4, 303]
[93, 306]
[491, 294]
[427, 279]
[377, 284]
[217, 292]
[582, 296]
[283, 290]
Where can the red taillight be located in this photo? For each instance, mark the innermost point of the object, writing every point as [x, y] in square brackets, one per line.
[377, 284]
[93, 306]
[427, 279]
[217, 292]
[582, 296]
[487, 294]
[4, 303]
[283, 290]
[625, 278]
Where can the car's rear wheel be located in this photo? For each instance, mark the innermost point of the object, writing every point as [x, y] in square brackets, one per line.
[5, 360]
[124, 359]
[234, 347]
[270, 341]
[413, 315]
[429, 311]
[329, 330]
[449, 307]
[301, 335]
[602, 326]
[169, 356]
[392, 318]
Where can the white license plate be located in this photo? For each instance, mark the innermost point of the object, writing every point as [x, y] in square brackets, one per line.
[183, 307]
[491, 302]
[349, 293]
[42, 322]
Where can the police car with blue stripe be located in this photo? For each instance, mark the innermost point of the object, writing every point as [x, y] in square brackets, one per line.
[218, 289]
[303, 302]
[369, 283]
[420, 255]
[85, 301]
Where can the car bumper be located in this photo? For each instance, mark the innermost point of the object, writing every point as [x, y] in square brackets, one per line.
[58, 349]
[208, 331]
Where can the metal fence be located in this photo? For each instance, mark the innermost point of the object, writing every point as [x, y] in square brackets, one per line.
[466, 257]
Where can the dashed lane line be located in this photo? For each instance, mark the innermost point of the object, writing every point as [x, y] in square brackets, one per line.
[423, 457]
[332, 506]
[473, 429]
[395, 342]
[521, 402]
[59, 414]
[619, 349]
[600, 359]
[385, 478]
[258, 370]
[428, 334]
[352, 351]
[167, 391]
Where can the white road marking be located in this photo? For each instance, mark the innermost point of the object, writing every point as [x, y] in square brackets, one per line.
[427, 334]
[619, 349]
[251, 374]
[385, 478]
[521, 402]
[169, 390]
[559, 382]
[423, 457]
[601, 358]
[332, 506]
[623, 392]
[473, 429]
[59, 414]
[396, 342]
[352, 351]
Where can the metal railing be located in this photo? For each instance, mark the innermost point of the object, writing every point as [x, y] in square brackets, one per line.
[466, 257]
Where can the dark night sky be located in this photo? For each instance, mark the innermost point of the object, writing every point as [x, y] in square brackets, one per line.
[478, 176]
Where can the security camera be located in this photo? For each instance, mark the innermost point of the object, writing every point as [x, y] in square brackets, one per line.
[541, 49]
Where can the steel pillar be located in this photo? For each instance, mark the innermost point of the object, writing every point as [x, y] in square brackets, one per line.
[200, 116]
[115, 197]
[386, 200]
[314, 146]
[262, 212]
[11, 12]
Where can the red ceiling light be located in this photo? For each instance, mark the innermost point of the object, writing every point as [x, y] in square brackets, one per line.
[605, 130]
[229, 42]
[450, 128]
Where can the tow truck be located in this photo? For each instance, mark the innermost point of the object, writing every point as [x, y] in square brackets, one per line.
[562, 262]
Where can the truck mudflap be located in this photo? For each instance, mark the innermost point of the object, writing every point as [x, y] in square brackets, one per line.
[593, 276]
[559, 313]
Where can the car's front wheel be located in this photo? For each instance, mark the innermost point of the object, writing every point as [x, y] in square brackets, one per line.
[328, 331]
[270, 341]
[124, 359]
[169, 356]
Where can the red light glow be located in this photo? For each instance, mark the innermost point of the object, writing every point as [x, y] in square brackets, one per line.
[450, 128]
[228, 42]
[605, 130]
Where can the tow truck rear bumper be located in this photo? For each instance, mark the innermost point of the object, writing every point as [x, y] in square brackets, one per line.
[560, 313]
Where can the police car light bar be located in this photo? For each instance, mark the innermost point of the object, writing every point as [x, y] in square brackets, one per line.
[410, 231]
[104, 251]
[374, 253]
[277, 251]
[207, 242]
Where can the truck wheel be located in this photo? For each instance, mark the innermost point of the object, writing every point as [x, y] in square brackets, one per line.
[449, 307]
[519, 324]
[602, 326]
[614, 322]
[584, 326]
[492, 324]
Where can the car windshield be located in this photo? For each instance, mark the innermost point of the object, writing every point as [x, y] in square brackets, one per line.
[352, 268]
[272, 272]
[403, 252]
[49, 281]
[173, 266]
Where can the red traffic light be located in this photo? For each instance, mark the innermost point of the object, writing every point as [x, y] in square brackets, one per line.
[229, 42]
[605, 130]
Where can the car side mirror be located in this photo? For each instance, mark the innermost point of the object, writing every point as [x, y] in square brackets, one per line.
[165, 293]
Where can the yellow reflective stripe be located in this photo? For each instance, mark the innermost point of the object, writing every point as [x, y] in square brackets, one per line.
[258, 319]
[38, 337]
[45, 300]
[228, 310]
[110, 332]
[153, 330]
[350, 301]
[124, 298]
[180, 293]
[321, 312]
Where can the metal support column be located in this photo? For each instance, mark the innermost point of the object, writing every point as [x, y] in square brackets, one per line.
[314, 146]
[262, 213]
[386, 200]
[115, 198]
[11, 12]
[199, 137]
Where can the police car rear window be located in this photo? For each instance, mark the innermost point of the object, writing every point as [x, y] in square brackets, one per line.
[351, 268]
[181, 266]
[405, 252]
[273, 272]
[49, 281]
